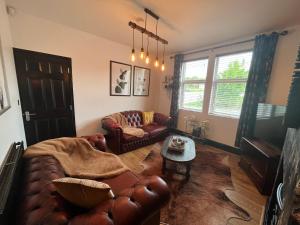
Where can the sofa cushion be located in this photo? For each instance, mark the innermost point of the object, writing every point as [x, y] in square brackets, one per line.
[154, 129]
[134, 118]
[123, 181]
[129, 138]
[148, 117]
[83, 192]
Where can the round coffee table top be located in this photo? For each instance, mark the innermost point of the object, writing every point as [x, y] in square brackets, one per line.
[187, 155]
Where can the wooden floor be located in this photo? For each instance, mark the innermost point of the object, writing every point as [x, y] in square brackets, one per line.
[245, 194]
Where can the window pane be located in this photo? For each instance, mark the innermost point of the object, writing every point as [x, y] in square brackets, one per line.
[233, 66]
[195, 70]
[193, 96]
[229, 98]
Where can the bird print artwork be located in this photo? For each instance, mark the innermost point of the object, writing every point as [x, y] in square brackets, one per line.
[121, 82]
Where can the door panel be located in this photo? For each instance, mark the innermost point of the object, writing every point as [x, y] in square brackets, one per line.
[46, 93]
[36, 94]
[58, 90]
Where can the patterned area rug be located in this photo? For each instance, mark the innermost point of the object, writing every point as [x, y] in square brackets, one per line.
[201, 200]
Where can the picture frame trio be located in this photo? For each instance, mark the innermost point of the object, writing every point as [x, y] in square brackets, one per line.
[121, 76]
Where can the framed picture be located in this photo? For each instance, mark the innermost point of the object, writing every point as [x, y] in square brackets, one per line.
[141, 81]
[120, 79]
[4, 97]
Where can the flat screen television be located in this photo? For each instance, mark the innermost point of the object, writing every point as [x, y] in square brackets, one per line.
[269, 124]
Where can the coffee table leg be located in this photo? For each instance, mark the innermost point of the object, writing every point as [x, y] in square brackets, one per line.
[188, 170]
[164, 165]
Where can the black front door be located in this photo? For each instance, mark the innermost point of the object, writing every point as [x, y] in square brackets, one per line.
[46, 92]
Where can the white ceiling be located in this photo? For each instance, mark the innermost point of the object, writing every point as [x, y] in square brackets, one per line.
[186, 24]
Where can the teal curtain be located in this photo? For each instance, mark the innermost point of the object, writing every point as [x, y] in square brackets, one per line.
[175, 91]
[257, 84]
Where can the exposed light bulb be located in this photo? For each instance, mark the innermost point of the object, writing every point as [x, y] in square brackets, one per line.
[163, 66]
[142, 53]
[147, 59]
[156, 64]
[132, 55]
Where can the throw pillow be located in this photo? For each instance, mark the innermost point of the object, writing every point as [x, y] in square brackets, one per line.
[82, 192]
[148, 117]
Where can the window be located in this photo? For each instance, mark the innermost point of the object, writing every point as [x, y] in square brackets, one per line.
[229, 84]
[193, 84]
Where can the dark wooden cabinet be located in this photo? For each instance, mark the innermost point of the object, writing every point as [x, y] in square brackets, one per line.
[259, 160]
[273, 208]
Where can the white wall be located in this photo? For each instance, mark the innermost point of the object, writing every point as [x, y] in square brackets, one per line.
[283, 67]
[90, 63]
[11, 125]
[224, 129]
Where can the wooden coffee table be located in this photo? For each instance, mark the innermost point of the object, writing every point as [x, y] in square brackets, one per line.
[186, 157]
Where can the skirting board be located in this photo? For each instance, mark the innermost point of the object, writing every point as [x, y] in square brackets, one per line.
[216, 144]
[224, 147]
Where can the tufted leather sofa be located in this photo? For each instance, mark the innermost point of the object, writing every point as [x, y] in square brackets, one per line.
[120, 143]
[137, 200]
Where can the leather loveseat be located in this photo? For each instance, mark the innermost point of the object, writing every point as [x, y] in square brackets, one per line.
[119, 143]
[137, 200]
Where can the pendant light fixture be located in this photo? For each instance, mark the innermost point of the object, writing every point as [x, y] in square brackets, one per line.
[147, 54]
[142, 55]
[156, 64]
[132, 51]
[163, 60]
[149, 34]
[142, 48]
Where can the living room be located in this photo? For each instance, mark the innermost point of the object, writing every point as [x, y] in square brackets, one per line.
[96, 41]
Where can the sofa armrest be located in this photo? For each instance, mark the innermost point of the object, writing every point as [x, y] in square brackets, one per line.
[97, 141]
[112, 127]
[131, 207]
[114, 135]
[161, 119]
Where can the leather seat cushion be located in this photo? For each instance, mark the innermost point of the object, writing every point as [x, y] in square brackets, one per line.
[121, 182]
[129, 138]
[154, 129]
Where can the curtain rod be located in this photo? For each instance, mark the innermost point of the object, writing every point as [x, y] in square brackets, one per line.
[283, 33]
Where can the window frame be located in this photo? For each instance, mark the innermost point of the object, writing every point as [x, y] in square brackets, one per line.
[184, 82]
[216, 81]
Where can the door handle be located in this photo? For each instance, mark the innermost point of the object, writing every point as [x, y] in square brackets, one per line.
[27, 115]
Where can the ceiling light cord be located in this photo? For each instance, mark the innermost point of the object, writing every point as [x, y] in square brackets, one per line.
[156, 39]
[148, 45]
[142, 40]
[133, 38]
[146, 21]
[143, 32]
[164, 53]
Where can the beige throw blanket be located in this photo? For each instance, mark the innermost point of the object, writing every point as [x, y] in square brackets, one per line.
[122, 121]
[79, 158]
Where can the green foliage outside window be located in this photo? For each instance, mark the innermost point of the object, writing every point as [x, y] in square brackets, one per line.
[229, 96]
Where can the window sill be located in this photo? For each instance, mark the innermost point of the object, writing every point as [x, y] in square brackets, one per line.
[191, 110]
[224, 116]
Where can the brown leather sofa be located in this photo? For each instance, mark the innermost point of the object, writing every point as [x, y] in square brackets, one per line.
[137, 200]
[119, 143]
